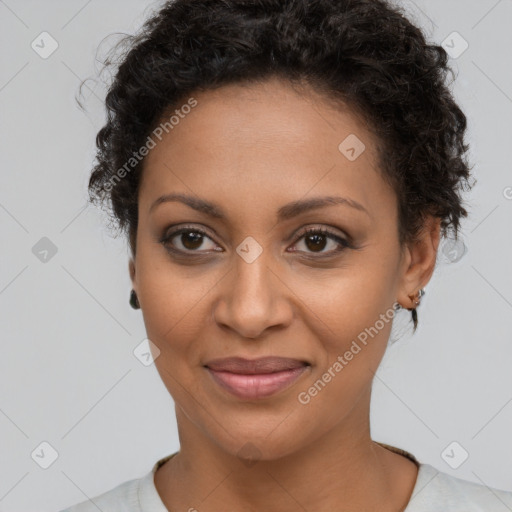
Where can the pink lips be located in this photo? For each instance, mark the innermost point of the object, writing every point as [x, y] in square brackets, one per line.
[255, 378]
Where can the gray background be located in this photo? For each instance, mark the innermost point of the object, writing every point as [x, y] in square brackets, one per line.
[68, 374]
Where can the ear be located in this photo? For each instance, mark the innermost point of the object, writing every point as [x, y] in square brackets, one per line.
[419, 261]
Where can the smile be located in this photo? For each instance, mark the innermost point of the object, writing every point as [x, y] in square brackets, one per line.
[254, 386]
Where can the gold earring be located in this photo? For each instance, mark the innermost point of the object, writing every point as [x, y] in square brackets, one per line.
[416, 298]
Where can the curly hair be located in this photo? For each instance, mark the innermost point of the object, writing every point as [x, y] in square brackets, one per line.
[363, 53]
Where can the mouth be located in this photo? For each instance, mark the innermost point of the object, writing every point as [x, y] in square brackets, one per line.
[250, 379]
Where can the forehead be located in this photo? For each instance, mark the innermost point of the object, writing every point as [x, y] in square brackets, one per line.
[265, 143]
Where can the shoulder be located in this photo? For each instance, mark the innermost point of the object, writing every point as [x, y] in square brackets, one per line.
[122, 498]
[137, 495]
[435, 490]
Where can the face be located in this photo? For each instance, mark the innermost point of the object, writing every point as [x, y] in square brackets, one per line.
[246, 279]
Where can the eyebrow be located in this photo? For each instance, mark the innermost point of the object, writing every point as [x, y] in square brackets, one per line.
[286, 212]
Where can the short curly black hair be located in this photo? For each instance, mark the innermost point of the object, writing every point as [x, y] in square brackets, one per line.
[363, 53]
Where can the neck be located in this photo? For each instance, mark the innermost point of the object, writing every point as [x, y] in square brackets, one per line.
[337, 471]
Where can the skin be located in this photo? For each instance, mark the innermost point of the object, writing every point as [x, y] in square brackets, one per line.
[251, 149]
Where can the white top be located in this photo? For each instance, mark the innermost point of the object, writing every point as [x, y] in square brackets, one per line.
[433, 491]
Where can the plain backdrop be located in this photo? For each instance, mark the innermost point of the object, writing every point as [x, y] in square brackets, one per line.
[73, 395]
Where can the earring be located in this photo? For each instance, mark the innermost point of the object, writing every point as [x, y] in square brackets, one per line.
[416, 300]
[134, 301]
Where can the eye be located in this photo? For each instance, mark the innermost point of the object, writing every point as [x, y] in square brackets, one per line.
[317, 239]
[188, 239]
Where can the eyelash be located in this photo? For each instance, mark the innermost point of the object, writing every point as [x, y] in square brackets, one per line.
[345, 244]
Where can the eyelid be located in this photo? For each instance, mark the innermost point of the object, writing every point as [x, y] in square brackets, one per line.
[327, 231]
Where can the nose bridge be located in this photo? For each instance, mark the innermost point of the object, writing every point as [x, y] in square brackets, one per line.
[253, 299]
[251, 268]
[252, 273]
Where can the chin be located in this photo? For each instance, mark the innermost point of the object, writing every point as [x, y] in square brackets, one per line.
[254, 440]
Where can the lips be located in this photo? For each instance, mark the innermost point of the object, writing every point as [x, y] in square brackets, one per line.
[254, 366]
[251, 379]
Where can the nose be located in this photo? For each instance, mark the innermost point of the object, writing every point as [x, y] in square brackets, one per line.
[253, 298]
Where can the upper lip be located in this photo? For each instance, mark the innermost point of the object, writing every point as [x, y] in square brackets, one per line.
[254, 366]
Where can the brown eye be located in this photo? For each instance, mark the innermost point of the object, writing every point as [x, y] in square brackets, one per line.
[317, 239]
[187, 240]
[315, 242]
[191, 240]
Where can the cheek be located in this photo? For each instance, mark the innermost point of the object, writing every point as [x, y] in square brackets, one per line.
[351, 354]
[352, 322]
[351, 300]
[174, 306]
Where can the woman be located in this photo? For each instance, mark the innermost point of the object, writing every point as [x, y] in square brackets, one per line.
[284, 171]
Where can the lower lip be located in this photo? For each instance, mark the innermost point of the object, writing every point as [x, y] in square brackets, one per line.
[256, 386]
